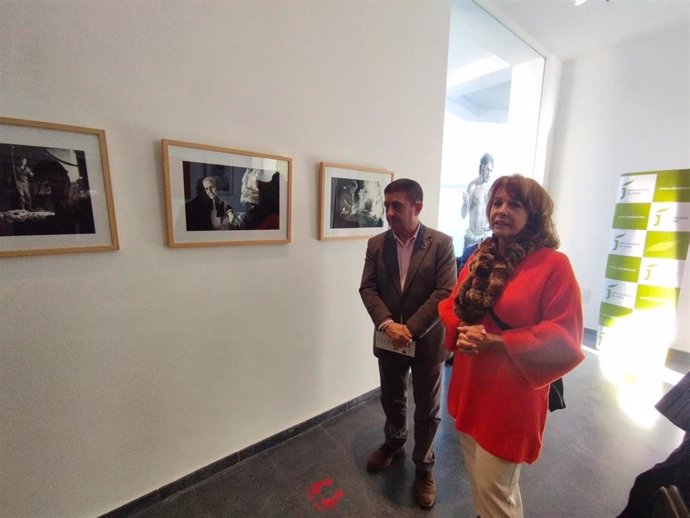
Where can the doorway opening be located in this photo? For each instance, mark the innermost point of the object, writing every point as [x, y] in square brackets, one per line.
[493, 97]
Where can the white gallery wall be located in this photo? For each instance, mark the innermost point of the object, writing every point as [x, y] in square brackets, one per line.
[123, 371]
[625, 109]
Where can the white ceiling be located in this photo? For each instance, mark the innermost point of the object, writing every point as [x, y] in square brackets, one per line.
[553, 28]
[481, 54]
[561, 29]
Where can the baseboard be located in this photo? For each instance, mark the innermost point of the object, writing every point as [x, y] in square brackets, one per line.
[216, 467]
[589, 338]
[678, 361]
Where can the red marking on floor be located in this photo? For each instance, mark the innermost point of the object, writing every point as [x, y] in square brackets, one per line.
[318, 486]
[326, 503]
[329, 503]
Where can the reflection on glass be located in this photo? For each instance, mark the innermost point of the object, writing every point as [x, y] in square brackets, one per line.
[493, 95]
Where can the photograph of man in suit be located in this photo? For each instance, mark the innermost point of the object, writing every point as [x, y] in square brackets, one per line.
[407, 271]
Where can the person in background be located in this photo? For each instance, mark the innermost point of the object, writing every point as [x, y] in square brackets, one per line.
[498, 393]
[407, 271]
[22, 176]
[474, 203]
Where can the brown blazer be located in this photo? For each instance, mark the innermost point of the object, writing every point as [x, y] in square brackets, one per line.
[430, 279]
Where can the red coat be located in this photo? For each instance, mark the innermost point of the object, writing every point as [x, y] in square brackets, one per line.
[500, 398]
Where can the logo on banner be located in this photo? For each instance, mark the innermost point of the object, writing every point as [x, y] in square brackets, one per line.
[630, 243]
[639, 189]
[669, 216]
[657, 216]
[609, 291]
[647, 271]
[624, 188]
[620, 293]
[616, 242]
[661, 272]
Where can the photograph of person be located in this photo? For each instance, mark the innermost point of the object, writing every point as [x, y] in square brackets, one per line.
[356, 204]
[44, 191]
[260, 198]
[230, 198]
[207, 211]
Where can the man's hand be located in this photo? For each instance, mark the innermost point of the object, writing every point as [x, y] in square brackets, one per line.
[399, 335]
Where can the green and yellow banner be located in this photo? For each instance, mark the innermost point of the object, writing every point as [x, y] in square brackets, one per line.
[647, 254]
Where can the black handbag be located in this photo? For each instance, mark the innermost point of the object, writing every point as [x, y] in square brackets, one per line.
[556, 389]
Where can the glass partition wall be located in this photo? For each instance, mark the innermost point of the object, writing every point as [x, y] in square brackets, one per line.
[493, 96]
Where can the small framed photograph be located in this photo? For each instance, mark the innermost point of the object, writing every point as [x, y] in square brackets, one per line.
[351, 201]
[218, 196]
[55, 194]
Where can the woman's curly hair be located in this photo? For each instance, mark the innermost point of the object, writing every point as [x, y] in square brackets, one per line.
[489, 269]
[540, 228]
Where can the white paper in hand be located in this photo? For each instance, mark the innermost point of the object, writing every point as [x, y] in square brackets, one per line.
[382, 341]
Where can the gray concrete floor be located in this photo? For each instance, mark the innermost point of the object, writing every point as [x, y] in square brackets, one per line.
[592, 452]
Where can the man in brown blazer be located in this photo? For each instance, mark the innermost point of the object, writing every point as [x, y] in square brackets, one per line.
[408, 270]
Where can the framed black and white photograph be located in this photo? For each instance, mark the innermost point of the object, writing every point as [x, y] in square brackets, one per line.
[218, 196]
[55, 194]
[351, 201]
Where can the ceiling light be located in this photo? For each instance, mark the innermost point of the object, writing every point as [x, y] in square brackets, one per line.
[579, 2]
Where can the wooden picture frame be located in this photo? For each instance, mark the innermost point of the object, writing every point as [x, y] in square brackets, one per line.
[55, 193]
[351, 201]
[218, 196]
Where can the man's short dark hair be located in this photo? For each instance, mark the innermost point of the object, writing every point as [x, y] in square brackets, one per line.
[412, 190]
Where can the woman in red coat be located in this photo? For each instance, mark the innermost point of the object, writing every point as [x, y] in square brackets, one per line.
[498, 392]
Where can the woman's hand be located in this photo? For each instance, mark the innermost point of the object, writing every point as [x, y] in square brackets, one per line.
[474, 339]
